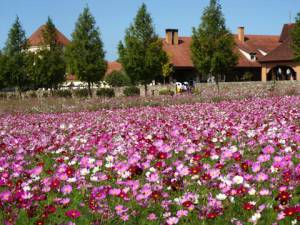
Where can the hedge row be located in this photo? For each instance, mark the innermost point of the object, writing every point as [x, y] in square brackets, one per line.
[80, 93]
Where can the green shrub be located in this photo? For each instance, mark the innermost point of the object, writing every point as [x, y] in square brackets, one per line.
[81, 93]
[117, 79]
[166, 92]
[131, 91]
[105, 92]
[32, 94]
[62, 93]
[247, 76]
[45, 94]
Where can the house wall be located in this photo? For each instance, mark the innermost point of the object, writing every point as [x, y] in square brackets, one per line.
[238, 73]
[185, 74]
[266, 67]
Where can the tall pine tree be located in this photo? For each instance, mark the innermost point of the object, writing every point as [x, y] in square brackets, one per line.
[49, 62]
[2, 71]
[15, 52]
[296, 38]
[85, 54]
[213, 44]
[141, 54]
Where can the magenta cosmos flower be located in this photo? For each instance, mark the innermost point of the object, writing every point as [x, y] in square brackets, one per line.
[73, 213]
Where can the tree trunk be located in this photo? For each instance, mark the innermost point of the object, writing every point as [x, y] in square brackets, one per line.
[164, 81]
[89, 89]
[146, 89]
[217, 83]
[19, 91]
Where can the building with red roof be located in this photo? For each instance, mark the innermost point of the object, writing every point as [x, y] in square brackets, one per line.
[279, 64]
[265, 57]
[250, 49]
[36, 39]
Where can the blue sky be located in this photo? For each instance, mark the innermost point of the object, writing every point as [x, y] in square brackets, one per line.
[114, 16]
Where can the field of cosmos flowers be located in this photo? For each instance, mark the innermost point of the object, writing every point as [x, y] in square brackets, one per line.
[234, 162]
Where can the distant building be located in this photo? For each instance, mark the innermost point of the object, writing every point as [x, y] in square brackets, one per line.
[36, 39]
[266, 57]
[279, 64]
[250, 48]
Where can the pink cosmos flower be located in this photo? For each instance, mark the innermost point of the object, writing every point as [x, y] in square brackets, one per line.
[172, 220]
[152, 216]
[5, 196]
[256, 167]
[181, 213]
[67, 189]
[114, 191]
[268, 149]
[262, 177]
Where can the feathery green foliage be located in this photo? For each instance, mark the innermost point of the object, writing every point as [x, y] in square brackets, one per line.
[141, 54]
[48, 62]
[118, 79]
[296, 38]
[212, 44]
[85, 54]
[15, 52]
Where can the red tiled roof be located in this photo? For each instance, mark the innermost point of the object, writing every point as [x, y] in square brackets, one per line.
[284, 51]
[285, 34]
[113, 66]
[71, 77]
[180, 55]
[36, 39]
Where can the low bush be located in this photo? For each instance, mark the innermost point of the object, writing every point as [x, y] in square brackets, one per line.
[62, 93]
[291, 91]
[3, 95]
[105, 92]
[166, 92]
[45, 94]
[32, 94]
[118, 79]
[131, 91]
[81, 93]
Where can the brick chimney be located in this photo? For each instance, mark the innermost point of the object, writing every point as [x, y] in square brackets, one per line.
[241, 34]
[172, 36]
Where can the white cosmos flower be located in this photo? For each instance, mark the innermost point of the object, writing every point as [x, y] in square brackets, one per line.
[252, 191]
[214, 140]
[215, 157]
[84, 171]
[96, 169]
[94, 178]
[238, 180]
[255, 217]
[71, 180]
[221, 196]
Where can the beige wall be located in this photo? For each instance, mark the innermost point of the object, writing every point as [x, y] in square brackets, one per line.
[268, 66]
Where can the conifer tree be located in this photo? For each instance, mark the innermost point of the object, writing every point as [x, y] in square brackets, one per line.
[296, 38]
[141, 54]
[15, 52]
[49, 62]
[213, 44]
[85, 54]
[2, 71]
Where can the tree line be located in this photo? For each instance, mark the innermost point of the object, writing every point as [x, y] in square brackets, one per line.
[140, 53]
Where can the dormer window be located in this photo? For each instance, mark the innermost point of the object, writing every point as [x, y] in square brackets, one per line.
[253, 56]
